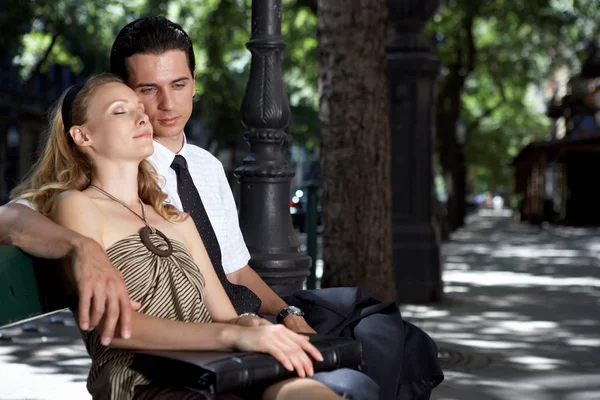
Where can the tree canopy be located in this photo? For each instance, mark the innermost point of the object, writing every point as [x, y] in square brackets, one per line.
[80, 36]
[496, 56]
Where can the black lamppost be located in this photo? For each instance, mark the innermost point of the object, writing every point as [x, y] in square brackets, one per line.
[265, 175]
[412, 72]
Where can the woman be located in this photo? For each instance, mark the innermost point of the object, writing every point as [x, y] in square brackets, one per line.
[93, 179]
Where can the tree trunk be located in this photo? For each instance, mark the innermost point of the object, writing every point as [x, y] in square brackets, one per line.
[355, 142]
[453, 164]
[451, 152]
[452, 155]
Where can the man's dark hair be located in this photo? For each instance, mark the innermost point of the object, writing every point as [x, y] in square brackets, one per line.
[149, 35]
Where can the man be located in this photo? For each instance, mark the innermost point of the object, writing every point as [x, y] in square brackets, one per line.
[155, 58]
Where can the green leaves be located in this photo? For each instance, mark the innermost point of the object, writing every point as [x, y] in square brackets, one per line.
[84, 32]
[218, 28]
[506, 54]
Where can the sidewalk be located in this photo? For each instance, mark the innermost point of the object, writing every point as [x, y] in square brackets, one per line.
[521, 317]
[44, 360]
[520, 320]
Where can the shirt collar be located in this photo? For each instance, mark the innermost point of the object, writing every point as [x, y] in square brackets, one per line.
[163, 157]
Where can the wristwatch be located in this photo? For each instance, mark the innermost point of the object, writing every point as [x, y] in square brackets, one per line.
[293, 310]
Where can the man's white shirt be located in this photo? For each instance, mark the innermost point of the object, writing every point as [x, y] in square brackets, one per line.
[209, 178]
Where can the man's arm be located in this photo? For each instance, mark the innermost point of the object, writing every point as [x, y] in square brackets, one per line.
[234, 253]
[99, 283]
[272, 304]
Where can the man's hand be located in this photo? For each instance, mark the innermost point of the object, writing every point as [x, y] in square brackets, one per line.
[102, 291]
[297, 324]
[249, 320]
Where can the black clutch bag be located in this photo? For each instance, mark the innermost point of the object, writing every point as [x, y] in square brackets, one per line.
[212, 372]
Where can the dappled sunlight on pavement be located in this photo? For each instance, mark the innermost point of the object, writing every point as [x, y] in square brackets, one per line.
[521, 314]
[44, 359]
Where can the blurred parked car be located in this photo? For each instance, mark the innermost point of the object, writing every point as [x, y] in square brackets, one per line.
[298, 212]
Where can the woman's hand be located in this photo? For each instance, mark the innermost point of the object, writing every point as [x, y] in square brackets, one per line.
[289, 348]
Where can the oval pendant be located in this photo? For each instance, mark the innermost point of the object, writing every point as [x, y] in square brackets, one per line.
[145, 236]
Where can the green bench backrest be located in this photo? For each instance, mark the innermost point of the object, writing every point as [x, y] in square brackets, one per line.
[19, 295]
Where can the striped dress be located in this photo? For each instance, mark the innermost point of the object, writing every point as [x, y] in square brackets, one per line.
[170, 287]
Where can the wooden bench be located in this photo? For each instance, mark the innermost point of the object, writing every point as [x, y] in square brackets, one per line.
[20, 294]
[28, 287]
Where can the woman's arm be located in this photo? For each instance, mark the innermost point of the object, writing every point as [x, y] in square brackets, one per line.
[286, 346]
[164, 334]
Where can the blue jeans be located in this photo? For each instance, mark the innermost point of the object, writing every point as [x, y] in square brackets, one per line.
[349, 383]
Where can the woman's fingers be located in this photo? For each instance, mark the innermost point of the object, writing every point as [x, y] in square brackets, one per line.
[293, 350]
[309, 348]
[304, 342]
[282, 357]
[296, 360]
[303, 363]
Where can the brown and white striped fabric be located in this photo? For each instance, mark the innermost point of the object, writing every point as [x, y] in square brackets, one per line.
[157, 392]
[167, 287]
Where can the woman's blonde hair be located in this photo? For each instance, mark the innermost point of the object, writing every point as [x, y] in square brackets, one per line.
[63, 167]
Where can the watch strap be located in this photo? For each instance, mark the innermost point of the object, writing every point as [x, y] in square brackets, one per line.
[285, 312]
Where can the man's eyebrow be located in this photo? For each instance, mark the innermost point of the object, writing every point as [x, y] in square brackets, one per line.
[183, 78]
[148, 84]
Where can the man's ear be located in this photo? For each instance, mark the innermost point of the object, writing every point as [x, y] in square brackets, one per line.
[194, 82]
[79, 136]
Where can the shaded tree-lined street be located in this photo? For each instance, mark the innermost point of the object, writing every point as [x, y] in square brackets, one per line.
[495, 60]
[520, 315]
[434, 96]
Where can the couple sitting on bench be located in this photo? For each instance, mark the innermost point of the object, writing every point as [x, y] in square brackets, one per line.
[184, 273]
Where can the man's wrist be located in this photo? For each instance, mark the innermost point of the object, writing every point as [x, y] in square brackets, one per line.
[78, 243]
[288, 311]
[292, 318]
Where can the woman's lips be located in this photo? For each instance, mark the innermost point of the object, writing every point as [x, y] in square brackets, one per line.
[146, 134]
[168, 121]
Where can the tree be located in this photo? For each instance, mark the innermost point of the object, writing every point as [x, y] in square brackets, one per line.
[219, 30]
[355, 143]
[493, 52]
[64, 32]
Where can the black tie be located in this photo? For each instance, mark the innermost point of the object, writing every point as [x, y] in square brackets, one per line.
[243, 299]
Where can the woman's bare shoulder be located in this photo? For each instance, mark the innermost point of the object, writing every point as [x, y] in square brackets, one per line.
[188, 230]
[73, 202]
[75, 210]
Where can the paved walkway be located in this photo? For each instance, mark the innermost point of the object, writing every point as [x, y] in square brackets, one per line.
[521, 320]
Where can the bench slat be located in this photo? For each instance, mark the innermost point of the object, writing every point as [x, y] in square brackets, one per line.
[19, 298]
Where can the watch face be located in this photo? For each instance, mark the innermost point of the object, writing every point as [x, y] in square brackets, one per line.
[295, 310]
